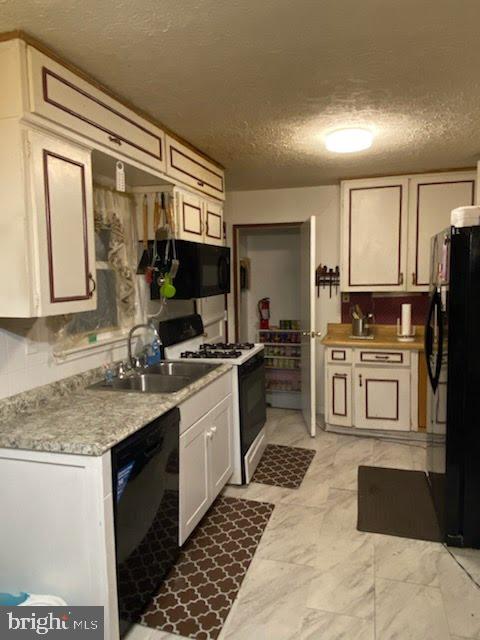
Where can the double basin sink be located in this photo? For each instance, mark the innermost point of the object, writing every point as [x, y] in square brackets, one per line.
[166, 377]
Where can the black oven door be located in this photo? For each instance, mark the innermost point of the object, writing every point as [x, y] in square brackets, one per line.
[252, 402]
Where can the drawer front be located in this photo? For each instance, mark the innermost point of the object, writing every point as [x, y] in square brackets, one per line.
[397, 358]
[60, 95]
[194, 170]
[339, 355]
[203, 401]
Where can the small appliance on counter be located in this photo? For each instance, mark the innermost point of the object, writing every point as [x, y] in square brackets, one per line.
[361, 324]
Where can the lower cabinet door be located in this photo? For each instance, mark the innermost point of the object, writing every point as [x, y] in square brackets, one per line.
[339, 395]
[220, 445]
[194, 476]
[382, 398]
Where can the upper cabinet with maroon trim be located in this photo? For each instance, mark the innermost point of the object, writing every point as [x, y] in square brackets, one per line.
[213, 212]
[44, 90]
[387, 225]
[193, 170]
[197, 218]
[374, 234]
[432, 198]
[63, 97]
[48, 246]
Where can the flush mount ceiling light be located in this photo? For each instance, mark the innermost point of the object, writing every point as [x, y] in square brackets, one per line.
[349, 140]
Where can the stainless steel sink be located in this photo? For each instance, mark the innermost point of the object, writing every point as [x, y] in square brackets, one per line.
[193, 370]
[145, 383]
[166, 377]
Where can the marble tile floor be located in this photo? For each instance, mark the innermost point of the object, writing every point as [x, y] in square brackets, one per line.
[315, 577]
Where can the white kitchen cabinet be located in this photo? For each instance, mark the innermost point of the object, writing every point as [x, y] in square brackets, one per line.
[339, 395]
[65, 98]
[194, 476]
[197, 218]
[369, 388]
[432, 198]
[58, 528]
[206, 460]
[189, 216]
[194, 170]
[220, 443]
[48, 248]
[213, 216]
[382, 398]
[387, 225]
[374, 234]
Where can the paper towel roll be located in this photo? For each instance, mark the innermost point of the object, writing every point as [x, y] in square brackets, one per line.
[406, 319]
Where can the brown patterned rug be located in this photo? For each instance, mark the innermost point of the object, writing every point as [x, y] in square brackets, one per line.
[283, 466]
[200, 590]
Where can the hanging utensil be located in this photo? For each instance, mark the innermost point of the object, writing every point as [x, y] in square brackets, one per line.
[149, 273]
[145, 258]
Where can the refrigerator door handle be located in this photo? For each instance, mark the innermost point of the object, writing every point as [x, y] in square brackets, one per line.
[429, 342]
[438, 364]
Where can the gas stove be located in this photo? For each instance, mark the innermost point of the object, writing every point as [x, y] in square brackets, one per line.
[211, 353]
[220, 351]
[183, 339]
[227, 346]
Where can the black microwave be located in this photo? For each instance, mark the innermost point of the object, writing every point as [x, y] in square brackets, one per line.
[204, 270]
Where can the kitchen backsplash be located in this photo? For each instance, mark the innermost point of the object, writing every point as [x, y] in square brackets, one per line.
[387, 308]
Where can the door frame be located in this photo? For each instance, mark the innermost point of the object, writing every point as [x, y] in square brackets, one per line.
[236, 262]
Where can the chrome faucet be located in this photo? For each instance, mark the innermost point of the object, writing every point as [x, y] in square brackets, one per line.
[134, 362]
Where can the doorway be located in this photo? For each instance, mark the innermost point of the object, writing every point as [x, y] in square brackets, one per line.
[267, 264]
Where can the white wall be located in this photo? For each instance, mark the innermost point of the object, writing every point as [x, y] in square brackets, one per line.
[293, 205]
[275, 262]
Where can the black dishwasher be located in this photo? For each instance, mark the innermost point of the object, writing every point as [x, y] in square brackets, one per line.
[145, 498]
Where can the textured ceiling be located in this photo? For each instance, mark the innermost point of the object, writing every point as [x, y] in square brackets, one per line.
[257, 83]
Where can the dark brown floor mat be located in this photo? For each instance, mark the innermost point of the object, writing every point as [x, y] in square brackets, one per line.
[200, 590]
[283, 466]
[396, 502]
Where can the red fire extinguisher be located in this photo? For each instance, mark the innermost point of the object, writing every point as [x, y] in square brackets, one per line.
[264, 311]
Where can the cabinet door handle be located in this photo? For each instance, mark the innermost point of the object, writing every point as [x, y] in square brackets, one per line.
[91, 280]
[340, 375]
[414, 278]
[200, 183]
[213, 430]
[400, 279]
[360, 380]
[377, 357]
[115, 140]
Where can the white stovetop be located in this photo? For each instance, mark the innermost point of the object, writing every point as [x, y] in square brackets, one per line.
[173, 353]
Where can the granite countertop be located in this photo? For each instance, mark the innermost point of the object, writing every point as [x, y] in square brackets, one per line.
[385, 337]
[86, 421]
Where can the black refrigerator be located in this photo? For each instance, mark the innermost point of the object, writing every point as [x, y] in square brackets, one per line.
[452, 351]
